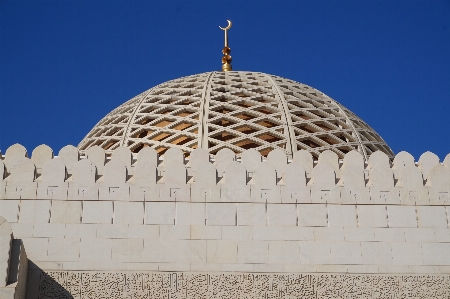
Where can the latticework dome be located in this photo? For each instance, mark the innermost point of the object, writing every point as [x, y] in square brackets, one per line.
[235, 110]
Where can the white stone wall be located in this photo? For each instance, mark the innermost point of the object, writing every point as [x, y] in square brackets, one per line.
[252, 214]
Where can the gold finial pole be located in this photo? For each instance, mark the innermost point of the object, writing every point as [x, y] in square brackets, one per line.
[226, 58]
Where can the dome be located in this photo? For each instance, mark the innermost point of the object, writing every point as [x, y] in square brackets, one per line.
[235, 110]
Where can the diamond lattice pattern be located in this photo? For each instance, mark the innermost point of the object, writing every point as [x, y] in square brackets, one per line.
[235, 110]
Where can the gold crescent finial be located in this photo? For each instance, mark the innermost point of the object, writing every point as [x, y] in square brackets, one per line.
[226, 58]
[228, 27]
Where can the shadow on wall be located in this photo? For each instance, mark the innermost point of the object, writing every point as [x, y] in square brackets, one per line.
[13, 264]
[41, 285]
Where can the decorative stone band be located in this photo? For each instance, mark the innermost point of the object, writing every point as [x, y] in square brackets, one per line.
[251, 178]
[180, 285]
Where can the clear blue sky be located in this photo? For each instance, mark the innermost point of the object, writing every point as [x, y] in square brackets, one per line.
[65, 64]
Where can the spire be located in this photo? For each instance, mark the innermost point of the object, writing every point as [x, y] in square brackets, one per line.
[226, 58]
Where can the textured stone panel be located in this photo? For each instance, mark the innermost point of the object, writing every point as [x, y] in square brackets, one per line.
[78, 285]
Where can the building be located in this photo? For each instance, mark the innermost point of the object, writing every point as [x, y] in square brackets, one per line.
[225, 185]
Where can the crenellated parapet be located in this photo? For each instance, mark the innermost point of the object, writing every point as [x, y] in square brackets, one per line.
[146, 176]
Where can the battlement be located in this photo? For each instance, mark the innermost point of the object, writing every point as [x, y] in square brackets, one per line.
[252, 178]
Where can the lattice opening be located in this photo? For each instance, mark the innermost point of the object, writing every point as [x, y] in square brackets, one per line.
[266, 123]
[247, 144]
[246, 129]
[161, 136]
[269, 138]
[182, 126]
[223, 136]
[181, 140]
[309, 143]
[223, 122]
[163, 123]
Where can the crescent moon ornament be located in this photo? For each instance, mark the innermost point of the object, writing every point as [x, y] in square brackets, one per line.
[228, 27]
[226, 58]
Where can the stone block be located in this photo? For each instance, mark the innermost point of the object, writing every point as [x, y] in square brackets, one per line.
[63, 249]
[265, 188]
[14, 153]
[223, 158]
[221, 251]
[407, 253]
[312, 215]
[201, 232]
[265, 268]
[97, 156]
[442, 235]
[251, 158]
[175, 232]
[144, 187]
[278, 159]
[173, 155]
[66, 212]
[282, 214]
[53, 184]
[156, 250]
[220, 213]
[34, 211]
[284, 252]
[139, 266]
[419, 235]
[389, 234]
[159, 213]
[331, 158]
[315, 253]
[128, 212]
[148, 154]
[305, 159]
[69, 155]
[375, 253]
[346, 253]
[189, 213]
[98, 250]
[251, 214]
[352, 234]
[22, 230]
[372, 216]
[205, 188]
[298, 233]
[174, 267]
[9, 209]
[427, 161]
[49, 230]
[329, 234]
[436, 254]
[114, 186]
[123, 155]
[127, 250]
[175, 251]
[112, 231]
[237, 232]
[432, 216]
[175, 187]
[267, 233]
[295, 189]
[143, 231]
[342, 215]
[36, 248]
[402, 216]
[235, 188]
[97, 212]
[83, 185]
[40, 155]
[253, 251]
[81, 231]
